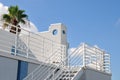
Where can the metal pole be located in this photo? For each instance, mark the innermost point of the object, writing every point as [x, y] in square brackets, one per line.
[69, 67]
[28, 47]
[43, 50]
[16, 39]
[28, 40]
[84, 60]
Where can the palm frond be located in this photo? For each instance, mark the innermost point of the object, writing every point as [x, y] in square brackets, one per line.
[7, 18]
[22, 21]
[15, 16]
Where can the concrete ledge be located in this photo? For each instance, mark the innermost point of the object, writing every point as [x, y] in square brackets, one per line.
[8, 55]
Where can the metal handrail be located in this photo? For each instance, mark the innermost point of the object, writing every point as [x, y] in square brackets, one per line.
[48, 69]
[70, 68]
[62, 65]
[75, 52]
[28, 36]
[31, 74]
[87, 56]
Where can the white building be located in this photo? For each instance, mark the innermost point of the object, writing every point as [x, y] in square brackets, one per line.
[44, 56]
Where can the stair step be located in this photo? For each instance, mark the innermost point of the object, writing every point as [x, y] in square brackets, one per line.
[70, 71]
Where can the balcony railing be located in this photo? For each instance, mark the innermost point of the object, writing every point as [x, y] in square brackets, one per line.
[89, 56]
[30, 45]
[83, 56]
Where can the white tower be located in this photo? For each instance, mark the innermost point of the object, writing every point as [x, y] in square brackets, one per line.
[57, 33]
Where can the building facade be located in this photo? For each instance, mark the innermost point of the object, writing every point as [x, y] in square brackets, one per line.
[44, 56]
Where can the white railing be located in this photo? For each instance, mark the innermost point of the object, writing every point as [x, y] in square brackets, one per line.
[44, 71]
[97, 59]
[73, 67]
[86, 56]
[66, 70]
[47, 73]
[92, 57]
[30, 45]
[83, 56]
[106, 65]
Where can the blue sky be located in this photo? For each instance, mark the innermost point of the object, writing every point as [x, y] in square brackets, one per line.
[96, 22]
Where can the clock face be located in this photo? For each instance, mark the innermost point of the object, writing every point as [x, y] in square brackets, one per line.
[55, 31]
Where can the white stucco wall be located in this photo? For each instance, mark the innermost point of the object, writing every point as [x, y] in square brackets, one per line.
[9, 66]
[59, 37]
[96, 75]
[32, 67]
[92, 74]
[7, 40]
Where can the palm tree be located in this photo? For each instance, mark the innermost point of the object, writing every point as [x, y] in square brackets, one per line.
[14, 17]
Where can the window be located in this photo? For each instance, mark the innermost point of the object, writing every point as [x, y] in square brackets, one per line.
[55, 31]
[13, 50]
[63, 31]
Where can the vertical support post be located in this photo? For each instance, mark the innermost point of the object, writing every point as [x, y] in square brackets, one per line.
[69, 68]
[64, 57]
[61, 55]
[102, 61]
[52, 49]
[43, 50]
[28, 40]
[54, 76]
[16, 39]
[68, 59]
[84, 59]
[109, 64]
[96, 57]
[32, 76]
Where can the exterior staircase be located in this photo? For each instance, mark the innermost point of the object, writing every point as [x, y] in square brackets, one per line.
[67, 75]
[81, 58]
[55, 71]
